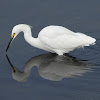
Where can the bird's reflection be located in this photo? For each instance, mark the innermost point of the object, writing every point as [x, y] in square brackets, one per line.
[51, 67]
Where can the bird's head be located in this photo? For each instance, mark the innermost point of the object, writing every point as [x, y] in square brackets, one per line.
[16, 30]
[14, 33]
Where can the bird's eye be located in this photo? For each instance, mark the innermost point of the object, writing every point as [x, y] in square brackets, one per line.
[13, 35]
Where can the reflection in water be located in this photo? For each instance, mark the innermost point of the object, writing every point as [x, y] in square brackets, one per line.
[52, 67]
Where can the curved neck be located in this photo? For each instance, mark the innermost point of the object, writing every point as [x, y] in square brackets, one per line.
[31, 40]
[28, 35]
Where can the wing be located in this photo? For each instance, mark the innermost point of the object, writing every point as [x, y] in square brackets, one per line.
[58, 37]
[61, 42]
[54, 31]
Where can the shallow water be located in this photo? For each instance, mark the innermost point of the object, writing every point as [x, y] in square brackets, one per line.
[41, 75]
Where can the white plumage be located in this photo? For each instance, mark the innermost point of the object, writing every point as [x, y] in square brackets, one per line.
[56, 39]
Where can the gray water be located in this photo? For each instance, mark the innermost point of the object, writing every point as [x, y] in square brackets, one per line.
[41, 75]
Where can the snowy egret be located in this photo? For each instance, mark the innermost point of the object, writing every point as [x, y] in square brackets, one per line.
[55, 39]
[51, 67]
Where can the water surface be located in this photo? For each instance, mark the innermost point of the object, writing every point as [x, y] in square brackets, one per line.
[41, 75]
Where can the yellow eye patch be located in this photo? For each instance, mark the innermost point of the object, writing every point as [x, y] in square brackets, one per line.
[13, 35]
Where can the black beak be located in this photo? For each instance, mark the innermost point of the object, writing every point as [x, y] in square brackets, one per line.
[13, 68]
[9, 44]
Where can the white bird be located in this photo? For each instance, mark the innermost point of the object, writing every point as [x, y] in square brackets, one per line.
[55, 39]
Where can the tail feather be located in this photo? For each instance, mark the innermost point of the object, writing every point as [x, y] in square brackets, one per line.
[86, 40]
